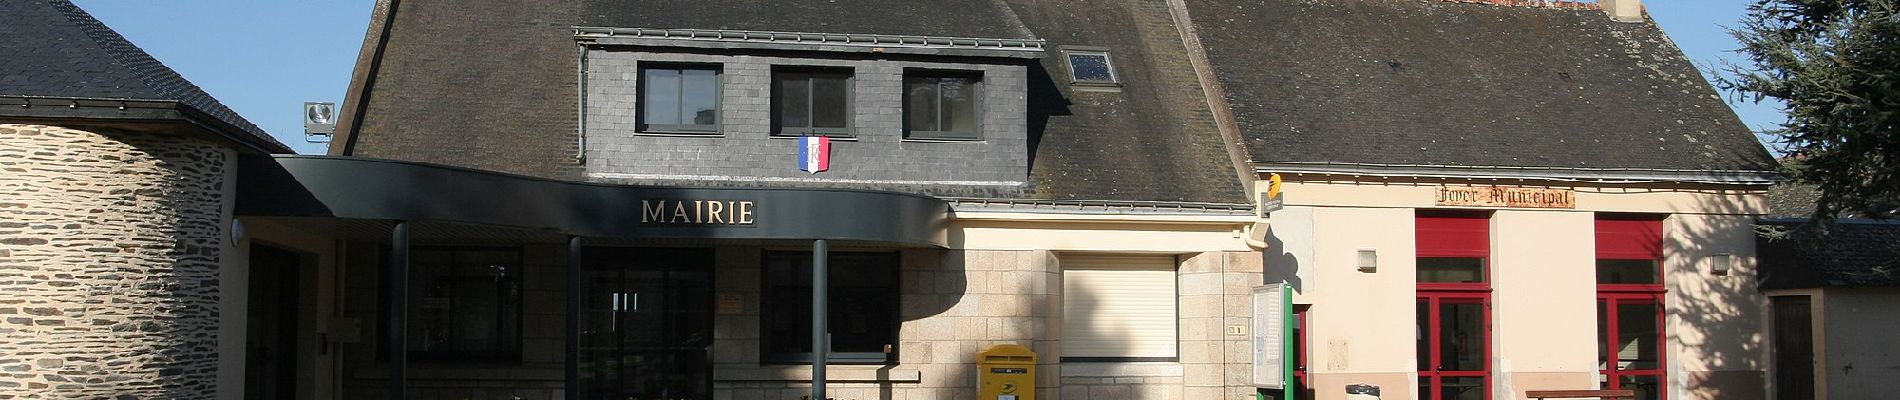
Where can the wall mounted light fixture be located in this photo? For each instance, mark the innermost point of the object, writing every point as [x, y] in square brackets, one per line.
[1368, 260]
[1721, 263]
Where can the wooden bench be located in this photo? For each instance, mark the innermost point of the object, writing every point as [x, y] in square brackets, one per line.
[1581, 394]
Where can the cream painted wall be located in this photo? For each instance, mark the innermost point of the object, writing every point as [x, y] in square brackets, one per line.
[1362, 322]
[1126, 237]
[1862, 352]
[1544, 292]
[1716, 326]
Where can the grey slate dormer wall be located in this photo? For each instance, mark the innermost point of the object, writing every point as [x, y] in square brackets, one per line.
[745, 152]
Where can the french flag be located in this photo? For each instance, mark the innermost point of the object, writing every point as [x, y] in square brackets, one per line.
[814, 154]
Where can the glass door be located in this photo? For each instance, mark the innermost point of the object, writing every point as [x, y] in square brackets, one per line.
[1454, 345]
[1629, 343]
[646, 327]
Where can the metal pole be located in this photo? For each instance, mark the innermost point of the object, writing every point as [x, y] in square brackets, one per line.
[820, 346]
[397, 299]
[573, 391]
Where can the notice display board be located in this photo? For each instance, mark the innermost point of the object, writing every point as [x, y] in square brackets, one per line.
[1269, 336]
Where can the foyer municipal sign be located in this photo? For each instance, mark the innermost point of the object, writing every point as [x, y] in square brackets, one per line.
[1505, 196]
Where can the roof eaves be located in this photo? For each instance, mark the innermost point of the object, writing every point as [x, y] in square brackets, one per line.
[126, 109]
[1596, 175]
[1099, 207]
[812, 41]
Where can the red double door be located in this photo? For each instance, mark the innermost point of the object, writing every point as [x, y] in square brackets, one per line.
[1454, 307]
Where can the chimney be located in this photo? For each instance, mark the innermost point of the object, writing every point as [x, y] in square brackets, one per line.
[1623, 10]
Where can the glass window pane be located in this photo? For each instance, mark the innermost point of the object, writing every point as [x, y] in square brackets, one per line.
[862, 308]
[959, 104]
[1450, 270]
[921, 114]
[1461, 336]
[1647, 387]
[1424, 338]
[1603, 334]
[830, 100]
[1461, 388]
[1628, 272]
[794, 101]
[662, 105]
[1636, 336]
[699, 96]
[1091, 68]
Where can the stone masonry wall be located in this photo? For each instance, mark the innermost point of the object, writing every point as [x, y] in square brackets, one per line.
[876, 155]
[109, 255]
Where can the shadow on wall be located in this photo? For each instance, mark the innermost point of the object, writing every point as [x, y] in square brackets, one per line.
[1724, 315]
[1280, 265]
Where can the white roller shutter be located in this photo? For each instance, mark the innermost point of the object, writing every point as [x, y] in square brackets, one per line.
[1120, 306]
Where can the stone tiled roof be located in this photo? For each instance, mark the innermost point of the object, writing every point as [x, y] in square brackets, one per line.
[1435, 83]
[1851, 253]
[53, 49]
[492, 85]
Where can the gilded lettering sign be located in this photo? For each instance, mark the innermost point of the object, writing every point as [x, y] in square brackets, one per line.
[696, 212]
[1501, 196]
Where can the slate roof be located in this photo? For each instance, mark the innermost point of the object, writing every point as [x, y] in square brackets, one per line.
[53, 49]
[1445, 84]
[1154, 139]
[491, 85]
[1853, 253]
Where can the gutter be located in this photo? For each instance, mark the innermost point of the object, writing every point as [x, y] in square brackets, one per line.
[1593, 175]
[91, 109]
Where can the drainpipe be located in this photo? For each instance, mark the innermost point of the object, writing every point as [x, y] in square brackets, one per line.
[580, 107]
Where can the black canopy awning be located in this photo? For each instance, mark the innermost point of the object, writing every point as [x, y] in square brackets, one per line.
[360, 188]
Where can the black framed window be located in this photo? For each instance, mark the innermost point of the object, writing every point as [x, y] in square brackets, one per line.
[679, 99]
[863, 307]
[943, 105]
[465, 304]
[811, 102]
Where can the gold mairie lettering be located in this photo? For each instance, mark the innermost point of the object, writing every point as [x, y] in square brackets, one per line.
[652, 212]
[679, 213]
[744, 214]
[712, 212]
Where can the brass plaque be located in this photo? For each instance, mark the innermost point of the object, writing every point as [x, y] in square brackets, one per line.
[730, 303]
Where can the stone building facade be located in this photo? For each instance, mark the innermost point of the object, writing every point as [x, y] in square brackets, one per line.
[112, 248]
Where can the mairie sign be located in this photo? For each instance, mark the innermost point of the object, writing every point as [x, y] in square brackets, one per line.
[696, 212]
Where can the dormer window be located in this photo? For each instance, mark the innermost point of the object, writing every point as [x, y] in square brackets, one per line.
[1090, 66]
[942, 105]
[679, 99]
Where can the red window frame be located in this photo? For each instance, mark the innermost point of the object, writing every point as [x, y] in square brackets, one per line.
[1632, 237]
[1455, 234]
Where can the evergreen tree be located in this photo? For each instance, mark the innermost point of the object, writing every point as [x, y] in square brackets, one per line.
[1835, 64]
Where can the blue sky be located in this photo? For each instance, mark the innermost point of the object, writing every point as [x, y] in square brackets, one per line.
[265, 58]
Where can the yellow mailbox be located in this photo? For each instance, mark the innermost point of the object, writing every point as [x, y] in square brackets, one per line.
[1006, 372]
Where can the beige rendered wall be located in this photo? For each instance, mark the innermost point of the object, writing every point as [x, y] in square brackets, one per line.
[1543, 300]
[1718, 346]
[1360, 326]
[1862, 351]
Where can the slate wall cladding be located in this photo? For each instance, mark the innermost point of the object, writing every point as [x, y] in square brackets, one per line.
[877, 155]
[109, 255]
